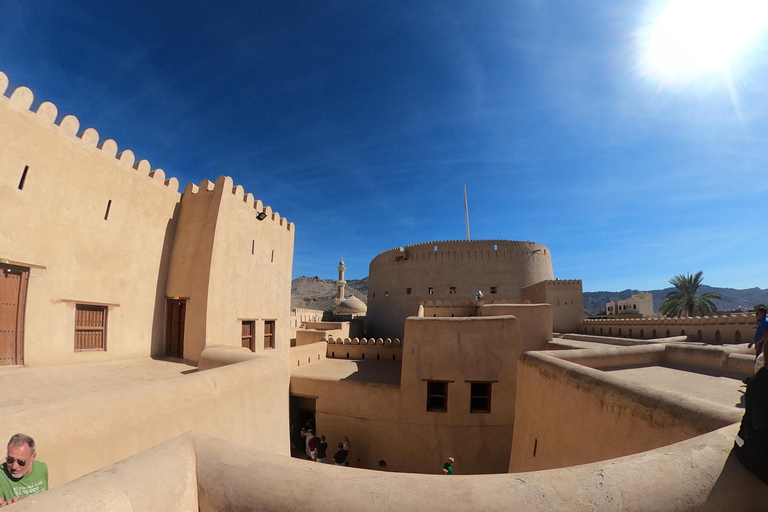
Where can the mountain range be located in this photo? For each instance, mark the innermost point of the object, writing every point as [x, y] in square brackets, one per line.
[316, 293]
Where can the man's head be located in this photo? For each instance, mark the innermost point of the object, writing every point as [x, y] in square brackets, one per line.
[451, 460]
[322, 438]
[21, 455]
[760, 312]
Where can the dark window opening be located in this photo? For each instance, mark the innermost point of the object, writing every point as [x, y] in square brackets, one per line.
[437, 396]
[453, 290]
[493, 289]
[407, 291]
[480, 397]
[109, 205]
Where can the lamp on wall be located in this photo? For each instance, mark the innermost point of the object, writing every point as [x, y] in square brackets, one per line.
[261, 215]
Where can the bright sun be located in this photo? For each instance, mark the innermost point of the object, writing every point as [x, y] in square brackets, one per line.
[695, 37]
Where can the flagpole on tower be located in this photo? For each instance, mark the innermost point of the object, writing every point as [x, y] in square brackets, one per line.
[466, 211]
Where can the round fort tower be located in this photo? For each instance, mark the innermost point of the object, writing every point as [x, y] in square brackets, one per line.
[454, 271]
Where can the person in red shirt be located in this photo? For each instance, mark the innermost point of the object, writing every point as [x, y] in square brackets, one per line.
[312, 445]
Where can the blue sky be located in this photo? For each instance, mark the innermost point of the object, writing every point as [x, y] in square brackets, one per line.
[361, 122]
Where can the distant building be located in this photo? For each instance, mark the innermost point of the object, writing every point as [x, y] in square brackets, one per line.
[639, 304]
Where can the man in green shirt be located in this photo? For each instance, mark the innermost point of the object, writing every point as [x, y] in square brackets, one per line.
[448, 466]
[21, 475]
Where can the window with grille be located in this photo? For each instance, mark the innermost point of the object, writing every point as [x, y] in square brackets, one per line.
[90, 327]
[437, 396]
[480, 397]
[248, 330]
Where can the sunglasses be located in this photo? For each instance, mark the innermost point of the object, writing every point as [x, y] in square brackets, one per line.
[20, 462]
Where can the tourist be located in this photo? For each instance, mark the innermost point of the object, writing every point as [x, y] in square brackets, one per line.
[448, 466]
[312, 445]
[322, 450]
[761, 335]
[307, 434]
[751, 444]
[340, 457]
[21, 475]
[347, 447]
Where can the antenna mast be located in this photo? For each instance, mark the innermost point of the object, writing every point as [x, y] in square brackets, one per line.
[466, 211]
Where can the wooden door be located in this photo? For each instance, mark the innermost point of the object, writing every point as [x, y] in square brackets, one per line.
[13, 295]
[177, 309]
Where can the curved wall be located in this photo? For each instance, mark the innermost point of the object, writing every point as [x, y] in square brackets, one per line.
[464, 266]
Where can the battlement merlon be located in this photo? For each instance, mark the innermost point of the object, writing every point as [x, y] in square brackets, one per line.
[565, 283]
[225, 184]
[447, 246]
[21, 100]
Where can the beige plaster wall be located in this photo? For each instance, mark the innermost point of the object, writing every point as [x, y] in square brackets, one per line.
[570, 414]
[307, 354]
[57, 221]
[232, 267]
[245, 402]
[391, 424]
[160, 479]
[370, 349]
[468, 266]
[236, 478]
[726, 329]
[566, 298]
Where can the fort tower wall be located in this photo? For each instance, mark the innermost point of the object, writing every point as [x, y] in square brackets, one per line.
[401, 278]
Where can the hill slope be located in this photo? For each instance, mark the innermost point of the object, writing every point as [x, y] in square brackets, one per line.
[732, 299]
[316, 293]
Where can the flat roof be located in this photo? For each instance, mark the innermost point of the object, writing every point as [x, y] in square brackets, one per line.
[695, 382]
[361, 370]
[39, 385]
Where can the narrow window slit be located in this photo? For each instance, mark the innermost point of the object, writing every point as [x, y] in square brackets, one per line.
[23, 177]
[109, 205]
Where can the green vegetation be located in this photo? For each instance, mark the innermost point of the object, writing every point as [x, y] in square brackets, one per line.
[684, 298]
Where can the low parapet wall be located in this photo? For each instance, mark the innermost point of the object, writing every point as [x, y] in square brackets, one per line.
[307, 354]
[709, 329]
[210, 475]
[247, 402]
[365, 348]
[571, 413]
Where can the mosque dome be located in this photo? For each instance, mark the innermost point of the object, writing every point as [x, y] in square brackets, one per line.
[351, 305]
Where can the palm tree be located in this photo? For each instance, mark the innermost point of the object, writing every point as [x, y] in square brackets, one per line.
[684, 298]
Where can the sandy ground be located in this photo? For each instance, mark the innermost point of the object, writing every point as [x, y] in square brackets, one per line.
[33, 386]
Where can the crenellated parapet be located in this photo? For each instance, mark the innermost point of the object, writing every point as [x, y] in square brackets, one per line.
[461, 250]
[22, 98]
[380, 349]
[564, 283]
[254, 207]
[371, 342]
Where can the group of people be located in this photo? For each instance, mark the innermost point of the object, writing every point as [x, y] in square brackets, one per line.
[751, 444]
[316, 448]
[21, 474]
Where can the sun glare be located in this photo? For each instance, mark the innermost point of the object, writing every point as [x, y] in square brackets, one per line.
[694, 37]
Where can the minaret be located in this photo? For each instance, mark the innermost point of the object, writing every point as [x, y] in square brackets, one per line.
[340, 283]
